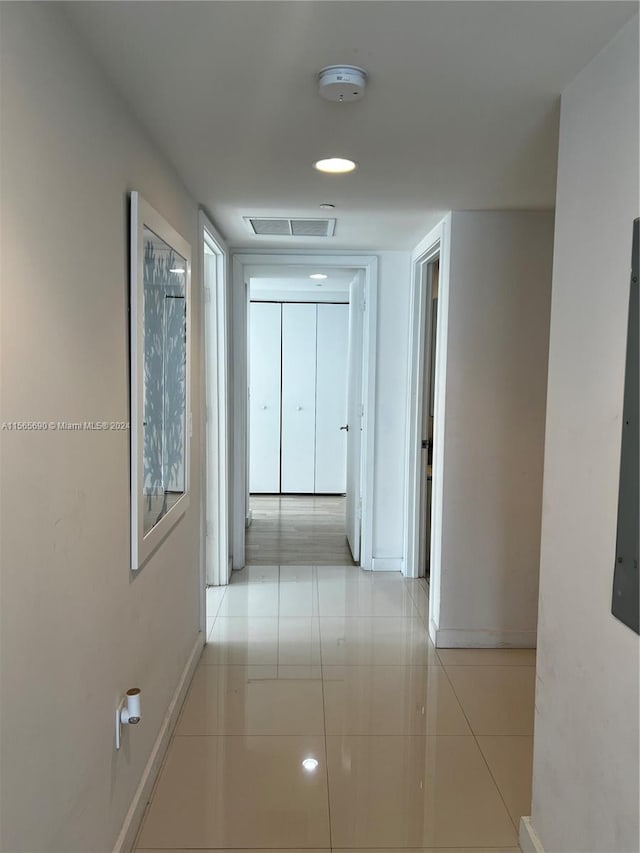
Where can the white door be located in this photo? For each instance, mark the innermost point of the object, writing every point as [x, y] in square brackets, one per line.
[264, 397]
[354, 416]
[298, 398]
[331, 399]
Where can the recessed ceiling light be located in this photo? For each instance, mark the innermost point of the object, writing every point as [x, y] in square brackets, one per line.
[335, 166]
[327, 206]
[318, 276]
[310, 764]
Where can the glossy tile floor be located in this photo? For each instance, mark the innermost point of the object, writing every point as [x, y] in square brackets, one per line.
[411, 748]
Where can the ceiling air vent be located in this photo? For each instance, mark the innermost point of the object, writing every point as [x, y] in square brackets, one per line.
[284, 227]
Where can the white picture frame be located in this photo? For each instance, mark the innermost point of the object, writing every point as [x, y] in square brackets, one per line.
[150, 525]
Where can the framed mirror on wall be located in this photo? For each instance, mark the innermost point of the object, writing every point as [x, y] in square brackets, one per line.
[160, 378]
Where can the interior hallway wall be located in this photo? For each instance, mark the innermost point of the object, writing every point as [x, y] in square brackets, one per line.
[585, 779]
[498, 296]
[78, 628]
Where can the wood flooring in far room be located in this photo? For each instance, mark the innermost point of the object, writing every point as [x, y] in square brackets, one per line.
[299, 530]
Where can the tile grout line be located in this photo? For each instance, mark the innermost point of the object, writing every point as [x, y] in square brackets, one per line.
[484, 758]
[324, 719]
[222, 598]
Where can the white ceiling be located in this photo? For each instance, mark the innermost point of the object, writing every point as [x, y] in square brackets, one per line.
[461, 111]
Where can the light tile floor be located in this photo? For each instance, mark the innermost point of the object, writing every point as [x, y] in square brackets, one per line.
[415, 748]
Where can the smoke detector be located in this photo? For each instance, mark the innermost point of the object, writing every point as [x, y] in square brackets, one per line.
[342, 83]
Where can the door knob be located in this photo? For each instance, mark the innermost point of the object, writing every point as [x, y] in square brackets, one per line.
[299, 408]
[264, 407]
[346, 427]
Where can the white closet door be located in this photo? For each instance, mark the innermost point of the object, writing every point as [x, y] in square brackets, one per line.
[331, 399]
[265, 326]
[298, 398]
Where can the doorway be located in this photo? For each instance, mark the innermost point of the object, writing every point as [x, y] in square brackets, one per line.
[301, 362]
[215, 521]
[426, 411]
[352, 499]
[432, 279]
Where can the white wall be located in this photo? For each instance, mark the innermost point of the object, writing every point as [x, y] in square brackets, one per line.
[77, 627]
[263, 289]
[394, 276]
[495, 388]
[585, 782]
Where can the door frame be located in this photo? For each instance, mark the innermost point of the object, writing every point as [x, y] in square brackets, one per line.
[435, 244]
[427, 392]
[242, 262]
[214, 520]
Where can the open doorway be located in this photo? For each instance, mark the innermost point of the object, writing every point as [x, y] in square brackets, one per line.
[304, 357]
[426, 409]
[346, 483]
[432, 279]
[215, 519]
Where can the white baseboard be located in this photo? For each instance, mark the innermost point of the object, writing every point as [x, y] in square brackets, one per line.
[131, 825]
[433, 631]
[460, 638]
[529, 841]
[387, 564]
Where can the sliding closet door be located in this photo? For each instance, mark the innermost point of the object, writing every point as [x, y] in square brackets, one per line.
[331, 399]
[298, 398]
[264, 397]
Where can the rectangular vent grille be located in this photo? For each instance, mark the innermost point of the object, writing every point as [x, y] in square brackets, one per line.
[275, 227]
[284, 227]
[309, 227]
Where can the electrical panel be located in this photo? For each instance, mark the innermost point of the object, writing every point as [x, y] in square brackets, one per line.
[625, 580]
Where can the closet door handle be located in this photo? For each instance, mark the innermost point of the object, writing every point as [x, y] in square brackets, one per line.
[345, 427]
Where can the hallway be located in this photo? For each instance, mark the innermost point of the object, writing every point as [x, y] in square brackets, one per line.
[414, 748]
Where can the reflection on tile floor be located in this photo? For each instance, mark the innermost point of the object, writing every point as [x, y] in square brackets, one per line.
[322, 718]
